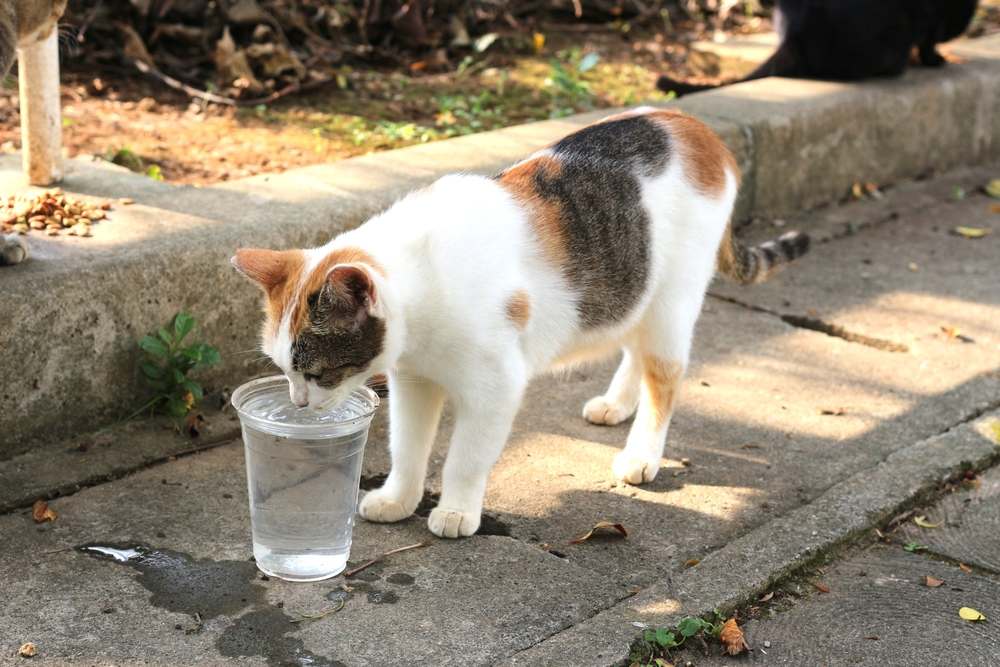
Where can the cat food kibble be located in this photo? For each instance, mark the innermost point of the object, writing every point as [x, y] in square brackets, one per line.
[51, 212]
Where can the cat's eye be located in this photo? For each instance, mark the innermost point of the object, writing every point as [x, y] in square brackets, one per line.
[310, 376]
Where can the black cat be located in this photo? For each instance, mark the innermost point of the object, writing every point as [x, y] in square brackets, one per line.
[848, 40]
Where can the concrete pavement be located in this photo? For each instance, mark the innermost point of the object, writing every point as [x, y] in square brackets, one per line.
[788, 443]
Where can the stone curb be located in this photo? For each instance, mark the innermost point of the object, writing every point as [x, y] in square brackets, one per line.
[746, 568]
[71, 323]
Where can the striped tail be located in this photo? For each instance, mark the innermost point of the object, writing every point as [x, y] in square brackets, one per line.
[755, 264]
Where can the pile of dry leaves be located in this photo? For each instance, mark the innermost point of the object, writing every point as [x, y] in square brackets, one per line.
[254, 51]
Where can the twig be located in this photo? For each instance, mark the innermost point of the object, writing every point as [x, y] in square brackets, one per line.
[379, 559]
[191, 91]
[323, 613]
[577, 8]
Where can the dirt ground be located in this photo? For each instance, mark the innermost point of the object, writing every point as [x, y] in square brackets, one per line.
[136, 121]
[149, 128]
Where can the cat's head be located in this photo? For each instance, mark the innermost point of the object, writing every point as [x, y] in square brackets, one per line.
[326, 322]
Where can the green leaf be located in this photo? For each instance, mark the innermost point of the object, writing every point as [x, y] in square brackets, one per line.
[151, 371]
[176, 407]
[183, 324]
[649, 636]
[178, 376]
[165, 336]
[690, 626]
[209, 355]
[588, 62]
[154, 346]
[913, 547]
[665, 638]
[194, 388]
[157, 385]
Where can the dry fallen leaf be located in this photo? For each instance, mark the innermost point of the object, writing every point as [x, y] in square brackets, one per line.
[971, 232]
[931, 582]
[995, 429]
[995, 208]
[41, 512]
[732, 638]
[193, 424]
[766, 598]
[691, 562]
[836, 412]
[604, 526]
[538, 41]
[965, 568]
[924, 523]
[993, 188]
[821, 587]
[970, 614]
[27, 650]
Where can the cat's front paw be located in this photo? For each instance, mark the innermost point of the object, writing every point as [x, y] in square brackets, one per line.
[599, 410]
[381, 506]
[633, 469]
[445, 522]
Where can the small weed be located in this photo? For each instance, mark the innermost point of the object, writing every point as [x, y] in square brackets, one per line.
[913, 547]
[154, 172]
[652, 649]
[570, 93]
[126, 157]
[166, 363]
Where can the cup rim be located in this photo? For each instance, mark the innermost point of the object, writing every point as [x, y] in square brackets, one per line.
[309, 431]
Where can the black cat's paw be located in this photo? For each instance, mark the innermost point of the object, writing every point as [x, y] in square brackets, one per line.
[930, 57]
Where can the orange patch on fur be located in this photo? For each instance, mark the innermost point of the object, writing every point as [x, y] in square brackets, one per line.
[705, 156]
[661, 381]
[314, 281]
[546, 217]
[519, 309]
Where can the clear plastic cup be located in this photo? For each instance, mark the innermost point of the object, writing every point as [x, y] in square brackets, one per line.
[303, 474]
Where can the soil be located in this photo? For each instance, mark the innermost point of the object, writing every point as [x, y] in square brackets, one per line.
[133, 120]
[140, 123]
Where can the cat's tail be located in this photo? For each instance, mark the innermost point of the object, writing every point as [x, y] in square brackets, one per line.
[755, 264]
[681, 88]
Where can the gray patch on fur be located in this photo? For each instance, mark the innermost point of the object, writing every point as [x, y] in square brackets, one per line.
[606, 227]
[337, 343]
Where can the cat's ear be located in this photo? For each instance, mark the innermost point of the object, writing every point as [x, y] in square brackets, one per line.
[268, 268]
[350, 293]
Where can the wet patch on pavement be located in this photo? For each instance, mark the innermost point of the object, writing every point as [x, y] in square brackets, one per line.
[205, 589]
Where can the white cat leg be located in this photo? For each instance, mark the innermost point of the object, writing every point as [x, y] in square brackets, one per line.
[620, 401]
[665, 342]
[482, 424]
[414, 411]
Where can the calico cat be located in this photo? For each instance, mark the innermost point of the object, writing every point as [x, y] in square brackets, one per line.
[22, 22]
[463, 291]
[849, 40]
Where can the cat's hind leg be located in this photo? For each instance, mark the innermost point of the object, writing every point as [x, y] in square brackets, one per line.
[414, 411]
[619, 402]
[664, 345]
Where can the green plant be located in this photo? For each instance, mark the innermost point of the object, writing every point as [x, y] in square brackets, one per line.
[571, 92]
[166, 363]
[654, 644]
[126, 157]
[154, 172]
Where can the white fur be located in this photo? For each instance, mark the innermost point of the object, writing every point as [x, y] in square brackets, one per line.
[453, 255]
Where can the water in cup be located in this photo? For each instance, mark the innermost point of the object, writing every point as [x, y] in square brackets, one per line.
[303, 474]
